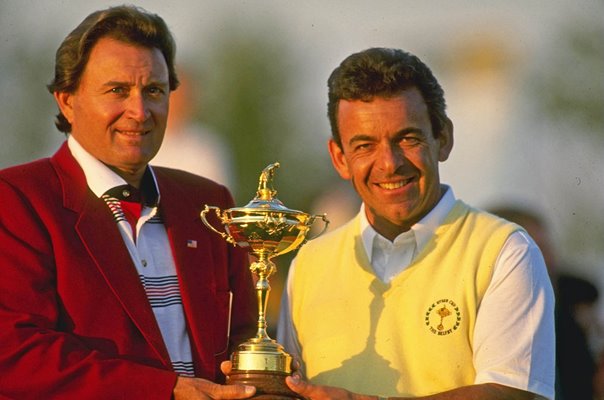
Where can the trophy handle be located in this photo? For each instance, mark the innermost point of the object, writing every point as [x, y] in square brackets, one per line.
[325, 220]
[217, 210]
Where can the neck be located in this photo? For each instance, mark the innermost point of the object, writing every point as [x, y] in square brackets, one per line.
[132, 177]
[391, 230]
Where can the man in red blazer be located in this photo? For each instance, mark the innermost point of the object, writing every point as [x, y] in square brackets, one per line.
[111, 287]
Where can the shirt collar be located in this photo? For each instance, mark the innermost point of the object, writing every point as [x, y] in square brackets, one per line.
[422, 230]
[101, 179]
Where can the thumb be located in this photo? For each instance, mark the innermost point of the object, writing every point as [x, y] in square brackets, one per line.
[227, 391]
[298, 385]
[234, 391]
[226, 367]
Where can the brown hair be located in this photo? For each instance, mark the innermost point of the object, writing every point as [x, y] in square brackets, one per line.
[129, 24]
[384, 72]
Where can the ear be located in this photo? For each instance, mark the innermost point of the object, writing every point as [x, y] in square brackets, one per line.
[338, 160]
[445, 140]
[64, 101]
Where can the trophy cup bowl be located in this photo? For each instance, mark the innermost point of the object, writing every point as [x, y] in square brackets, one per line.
[266, 229]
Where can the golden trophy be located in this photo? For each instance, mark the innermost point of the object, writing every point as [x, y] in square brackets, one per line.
[266, 229]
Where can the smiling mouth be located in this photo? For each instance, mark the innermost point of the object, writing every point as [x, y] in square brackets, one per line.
[394, 185]
[133, 133]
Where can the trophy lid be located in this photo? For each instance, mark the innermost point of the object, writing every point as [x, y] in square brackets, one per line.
[266, 199]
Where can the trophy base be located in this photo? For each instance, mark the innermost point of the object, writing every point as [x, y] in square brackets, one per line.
[269, 385]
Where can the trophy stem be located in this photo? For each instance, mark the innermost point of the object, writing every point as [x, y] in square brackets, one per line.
[263, 268]
[262, 292]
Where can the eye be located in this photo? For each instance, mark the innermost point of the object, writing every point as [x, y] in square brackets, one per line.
[410, 140]
[155, 91]
[117, 90]
[362, 146]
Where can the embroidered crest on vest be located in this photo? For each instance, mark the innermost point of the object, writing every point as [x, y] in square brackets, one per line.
[443, 317]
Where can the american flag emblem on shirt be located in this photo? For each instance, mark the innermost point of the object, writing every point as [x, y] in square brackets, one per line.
[192, 243]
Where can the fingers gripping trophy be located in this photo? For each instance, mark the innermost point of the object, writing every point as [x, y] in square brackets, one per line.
[266, 229]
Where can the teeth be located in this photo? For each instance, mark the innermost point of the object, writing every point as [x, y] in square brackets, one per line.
[391, 186]
[132, 133]
[394, 185]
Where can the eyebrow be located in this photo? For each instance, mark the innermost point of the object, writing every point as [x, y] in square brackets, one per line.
[360, 138]
[127, 83]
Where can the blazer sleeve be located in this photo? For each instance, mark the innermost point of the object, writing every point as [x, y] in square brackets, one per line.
[37, 359]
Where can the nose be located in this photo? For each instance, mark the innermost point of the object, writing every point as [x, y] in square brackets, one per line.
[389, 157]
[137, 107]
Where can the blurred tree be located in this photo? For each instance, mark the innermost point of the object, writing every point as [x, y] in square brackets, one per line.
[250, 84]
[573, 88]
[569, 91]
[27, 107]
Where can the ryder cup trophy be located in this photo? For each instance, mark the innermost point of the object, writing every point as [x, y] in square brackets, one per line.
[266, 229]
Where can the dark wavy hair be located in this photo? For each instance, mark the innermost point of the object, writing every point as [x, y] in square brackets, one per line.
[384, 72]
[128, 24]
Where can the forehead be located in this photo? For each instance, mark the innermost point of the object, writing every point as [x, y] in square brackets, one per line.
[408, 107]
[112, 56]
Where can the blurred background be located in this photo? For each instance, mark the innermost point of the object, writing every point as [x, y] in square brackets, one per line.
[524, 82]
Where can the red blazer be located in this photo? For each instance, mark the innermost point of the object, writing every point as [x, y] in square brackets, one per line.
[75, 322]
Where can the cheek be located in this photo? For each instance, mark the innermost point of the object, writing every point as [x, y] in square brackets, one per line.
[426, 161]
[94, 114]
[160, 109]
[360, 169]
[84, 119]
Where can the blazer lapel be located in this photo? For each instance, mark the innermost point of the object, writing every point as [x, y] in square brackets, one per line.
[99, 234]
